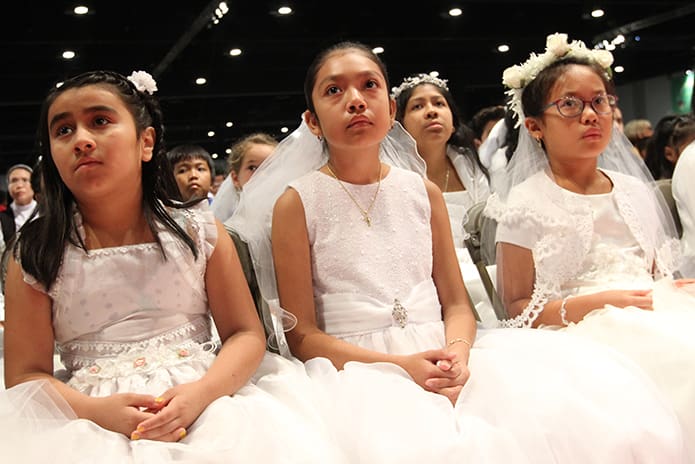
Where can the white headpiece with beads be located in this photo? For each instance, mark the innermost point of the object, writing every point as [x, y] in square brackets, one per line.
[414, 81]
[516, 77]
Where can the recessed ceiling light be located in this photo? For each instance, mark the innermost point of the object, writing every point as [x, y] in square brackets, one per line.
[228, 151]
[68, 54]
[229, 124]
[618, 69]
[201, 81]
[285, 10]
[504, 48]
[59, 85]
[235, 51]
[455, 12]
[284, 130]
[214, 156]
[378, 50]
[597, 13]
[81, 10]
[211, 133]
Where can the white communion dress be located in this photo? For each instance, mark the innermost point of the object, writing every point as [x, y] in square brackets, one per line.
[533, 396]
[127, 320]
[607, 248]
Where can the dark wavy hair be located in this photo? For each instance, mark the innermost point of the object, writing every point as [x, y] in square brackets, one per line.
[462, 140]
[41, 242]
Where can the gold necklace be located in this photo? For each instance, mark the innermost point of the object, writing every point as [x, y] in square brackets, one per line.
[364, 212]
[446, 179]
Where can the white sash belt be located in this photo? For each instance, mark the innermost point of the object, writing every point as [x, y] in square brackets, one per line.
[342, 314]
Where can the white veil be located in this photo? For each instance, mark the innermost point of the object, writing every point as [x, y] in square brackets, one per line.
[299, 153]
[559, 255]
[225, 201]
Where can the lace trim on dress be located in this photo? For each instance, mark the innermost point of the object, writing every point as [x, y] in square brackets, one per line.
[77, 354]
[145, 361]
[567, 224]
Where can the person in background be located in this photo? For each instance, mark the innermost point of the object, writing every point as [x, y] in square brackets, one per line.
[246, 156]
[484, 120]
[618, 119]
[193, 169]
[638, 132]
[426, 109]
[683, 189]
[671, 134]
[23, 202]
[216, 182]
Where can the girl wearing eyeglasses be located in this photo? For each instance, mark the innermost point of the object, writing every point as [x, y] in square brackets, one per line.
[585, 243]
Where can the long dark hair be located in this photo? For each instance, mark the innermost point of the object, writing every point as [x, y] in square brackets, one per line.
[41, 242]
[463, 137]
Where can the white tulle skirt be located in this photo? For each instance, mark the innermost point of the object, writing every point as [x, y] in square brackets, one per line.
[661, 342]
[533, 397]
[272, 419]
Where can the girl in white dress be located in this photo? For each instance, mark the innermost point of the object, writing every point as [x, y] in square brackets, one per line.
[365, 264]
[426, 109]
[584, 241]
[124, 283]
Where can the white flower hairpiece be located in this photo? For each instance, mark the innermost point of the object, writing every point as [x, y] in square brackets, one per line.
[143, 81]
[414, 81]
[516, 77]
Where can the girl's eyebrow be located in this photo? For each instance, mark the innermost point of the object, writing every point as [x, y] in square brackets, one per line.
[92, 109]
[337, 77]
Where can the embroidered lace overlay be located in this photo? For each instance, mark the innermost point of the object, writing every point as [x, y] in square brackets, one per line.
[97, 314]
[349, 257]
[583, 243]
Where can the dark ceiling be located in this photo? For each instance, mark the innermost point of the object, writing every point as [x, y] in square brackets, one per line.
[262, 88]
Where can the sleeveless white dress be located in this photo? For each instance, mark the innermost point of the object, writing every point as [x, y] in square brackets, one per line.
[126, 320]
[660, 341]
[533, 396]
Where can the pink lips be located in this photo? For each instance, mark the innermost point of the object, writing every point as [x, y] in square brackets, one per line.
[592, 133]
[86, 161]
[359, 121]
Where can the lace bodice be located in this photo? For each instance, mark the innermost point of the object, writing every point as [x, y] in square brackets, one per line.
[583, 243]
[111, 300]
[348, 256]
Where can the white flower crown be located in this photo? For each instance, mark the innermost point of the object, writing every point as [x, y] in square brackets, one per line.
[516, 77]
[143, 81]
[414, 81]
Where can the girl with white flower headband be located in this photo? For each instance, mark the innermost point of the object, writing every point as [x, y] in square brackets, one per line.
[124, 282]
[585, 241]
[427, 110]
[357, 249]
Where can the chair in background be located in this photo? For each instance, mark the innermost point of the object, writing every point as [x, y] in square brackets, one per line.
[483, 254]
[262, 309]
[664, 186]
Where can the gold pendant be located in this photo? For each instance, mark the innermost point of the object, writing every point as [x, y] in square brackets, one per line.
[367, 219]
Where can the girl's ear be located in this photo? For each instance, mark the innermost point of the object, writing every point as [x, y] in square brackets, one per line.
[235, 180]
[147, 138]
[313, 122]
[670, 154]
[392, 109]
[534, 128]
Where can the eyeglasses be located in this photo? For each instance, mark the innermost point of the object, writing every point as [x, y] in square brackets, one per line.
[571, 107]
